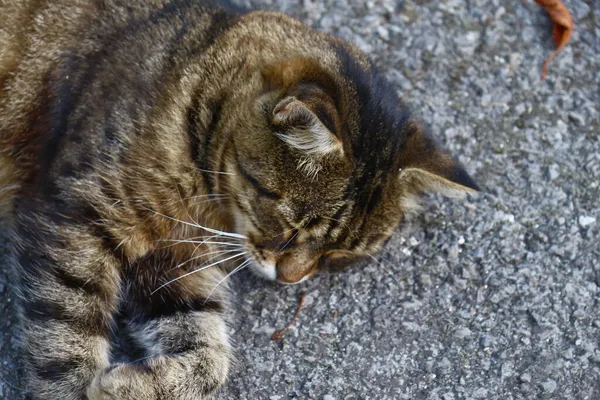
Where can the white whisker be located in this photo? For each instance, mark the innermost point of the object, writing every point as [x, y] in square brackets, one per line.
[288, 242]
[384, 267]
[216, 172]
[214, 195]
[212, 200]
[218, 253]
[197, 270]
[281, 234]
[205, 237]
[175, 242]
[196, 225]
[238, 268]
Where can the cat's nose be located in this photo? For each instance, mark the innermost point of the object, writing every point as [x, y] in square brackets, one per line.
[291, 269]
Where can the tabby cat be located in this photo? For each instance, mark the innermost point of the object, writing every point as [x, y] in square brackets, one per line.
[146, 144]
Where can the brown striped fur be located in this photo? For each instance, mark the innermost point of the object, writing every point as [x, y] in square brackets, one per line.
[143, 140]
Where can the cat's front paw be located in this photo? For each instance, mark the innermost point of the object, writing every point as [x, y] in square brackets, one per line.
[122, 382]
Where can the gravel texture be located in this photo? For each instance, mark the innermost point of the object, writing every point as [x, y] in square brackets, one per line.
[494, 297]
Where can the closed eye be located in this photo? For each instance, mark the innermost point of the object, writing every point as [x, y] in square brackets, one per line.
[260, 189]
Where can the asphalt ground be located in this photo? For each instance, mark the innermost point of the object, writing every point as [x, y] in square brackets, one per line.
[491, 297]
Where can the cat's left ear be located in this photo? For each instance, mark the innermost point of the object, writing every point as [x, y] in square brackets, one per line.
[426, 166]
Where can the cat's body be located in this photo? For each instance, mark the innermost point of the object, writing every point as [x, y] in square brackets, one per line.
[142, 141]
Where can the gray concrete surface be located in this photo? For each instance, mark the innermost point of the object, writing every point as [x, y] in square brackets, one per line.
[495, 297]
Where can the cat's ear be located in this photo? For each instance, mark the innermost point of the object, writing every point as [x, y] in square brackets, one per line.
[426, 166]
[297, 124]
[304, 115]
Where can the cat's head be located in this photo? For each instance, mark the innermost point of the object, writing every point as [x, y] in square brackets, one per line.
[324, 165]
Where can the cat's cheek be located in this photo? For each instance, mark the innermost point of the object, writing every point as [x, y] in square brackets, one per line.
[264, 270]
[239, 222]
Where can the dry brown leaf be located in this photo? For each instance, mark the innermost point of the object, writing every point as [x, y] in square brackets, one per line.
[562, 29]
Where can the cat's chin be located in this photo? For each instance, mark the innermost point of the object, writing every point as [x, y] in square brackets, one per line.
[269, 272]
[264, 270]
[294, 283]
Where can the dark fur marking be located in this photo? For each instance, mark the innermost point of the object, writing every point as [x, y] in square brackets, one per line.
[194, 134]
[152, 308]
[326, 119]
[357, 239]
[200, 153]
[251, 216]
[60, 102]
[378, 238]
[180, 348]
[140, 305]
[68, 170]
[375, 199]
[380, 113]
[257, 186]
[44, 310]
[314, 221]
[335, 220]
[70, 281]
[367, 207]
[56, 370]
[89, 322]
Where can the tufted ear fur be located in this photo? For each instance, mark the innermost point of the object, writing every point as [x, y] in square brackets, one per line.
[426, 166]
[304, 114]
[300, 127]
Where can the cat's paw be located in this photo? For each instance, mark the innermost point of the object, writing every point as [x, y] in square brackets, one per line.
[122, 382]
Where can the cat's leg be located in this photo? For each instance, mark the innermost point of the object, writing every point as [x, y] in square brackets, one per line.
[185, 338]
[68, 289]
[189, 361]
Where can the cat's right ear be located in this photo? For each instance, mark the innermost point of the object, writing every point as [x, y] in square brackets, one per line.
[305, 115]
[298, 125]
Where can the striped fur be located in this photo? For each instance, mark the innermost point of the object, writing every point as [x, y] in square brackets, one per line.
[149, 149]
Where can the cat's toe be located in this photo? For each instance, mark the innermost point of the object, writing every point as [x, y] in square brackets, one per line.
[96, 392]
[120, 382]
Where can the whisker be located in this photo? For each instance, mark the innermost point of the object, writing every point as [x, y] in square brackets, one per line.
[196, 225]
[197, 270]
[289, 241]
[205, 237]
[238, 268]
[281, 234]
[213, 195]
[211, 200]
[175, 242]
[184, 206]
[216, 172]
[384, 267]
[338, 220]
[293, 236]
[219, 252]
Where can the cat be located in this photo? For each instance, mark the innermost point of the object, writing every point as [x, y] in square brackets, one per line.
[150, 149]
